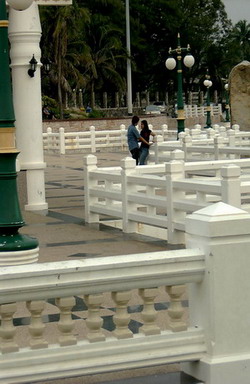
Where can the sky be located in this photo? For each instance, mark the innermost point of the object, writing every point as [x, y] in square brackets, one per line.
[238, 10]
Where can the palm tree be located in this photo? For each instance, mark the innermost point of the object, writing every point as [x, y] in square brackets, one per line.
[241, 36]
[101, 59]
[63, 44]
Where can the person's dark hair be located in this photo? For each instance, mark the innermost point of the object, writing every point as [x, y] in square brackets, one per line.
[145, 125]
[135, 120]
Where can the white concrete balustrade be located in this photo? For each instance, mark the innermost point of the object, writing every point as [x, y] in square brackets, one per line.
[94, 140]
[155, 199]
[196, 111]
[214, 144]
[213, 344]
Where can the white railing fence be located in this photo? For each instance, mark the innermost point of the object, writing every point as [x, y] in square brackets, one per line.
[94, 140]
[213, 339]
[155, 199]
[196, 111]
[214, 144]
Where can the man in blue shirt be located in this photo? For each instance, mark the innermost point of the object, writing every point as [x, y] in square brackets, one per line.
[134, 137]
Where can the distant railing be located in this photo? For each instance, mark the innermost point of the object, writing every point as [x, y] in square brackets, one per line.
[94, 140]
[216, 143]
[196, 111]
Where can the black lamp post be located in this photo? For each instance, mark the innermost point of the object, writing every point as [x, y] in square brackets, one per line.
[171, 64]
[208, 83]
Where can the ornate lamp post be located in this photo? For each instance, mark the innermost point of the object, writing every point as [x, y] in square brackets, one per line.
[14, 247]
[227, 103]
[171, 64]
[208, 83]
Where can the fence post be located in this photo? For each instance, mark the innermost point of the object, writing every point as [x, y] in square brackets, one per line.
[157, 151]
[219, 304]
[128, 166]
[123, 137]
[181, 136]
[218, 143]
[92, 139]
[174, 171]
[223, 131]
[164, 131]
[89, 165]
[210, 133]
[187, 142]
[49, 138]
[61, 141]
[177, 154]
[230, 185]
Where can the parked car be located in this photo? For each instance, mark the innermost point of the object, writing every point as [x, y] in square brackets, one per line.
[153, 109]
[162, 105]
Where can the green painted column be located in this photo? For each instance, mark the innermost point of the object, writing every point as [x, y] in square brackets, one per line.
[10, 215]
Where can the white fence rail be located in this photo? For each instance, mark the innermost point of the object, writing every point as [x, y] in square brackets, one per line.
[213, 144]
[214, 263]
[155, 199]
[94, 140]
[196, 111]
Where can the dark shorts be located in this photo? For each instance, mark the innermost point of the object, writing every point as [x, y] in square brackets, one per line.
[135, 152]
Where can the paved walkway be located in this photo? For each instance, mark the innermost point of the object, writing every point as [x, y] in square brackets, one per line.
[64, 235]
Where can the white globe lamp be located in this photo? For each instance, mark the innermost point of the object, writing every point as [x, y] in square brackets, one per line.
[20, 5]
[188, 60]
[170, 63]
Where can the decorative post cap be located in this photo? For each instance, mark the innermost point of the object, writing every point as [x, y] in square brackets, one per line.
[218, 220]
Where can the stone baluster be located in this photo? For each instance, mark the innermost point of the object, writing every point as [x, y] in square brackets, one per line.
[149, 314]
[121, 317]
[7, 329]
[36, 327]
[94, 321]
[176, 310]
[66, 324]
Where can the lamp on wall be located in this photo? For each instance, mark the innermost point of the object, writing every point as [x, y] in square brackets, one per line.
[47, 66]
[33, 64]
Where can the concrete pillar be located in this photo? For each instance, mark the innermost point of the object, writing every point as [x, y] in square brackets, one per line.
[219, 304]
[24, 35]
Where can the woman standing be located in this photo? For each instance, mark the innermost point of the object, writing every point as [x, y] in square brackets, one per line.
[144, 150]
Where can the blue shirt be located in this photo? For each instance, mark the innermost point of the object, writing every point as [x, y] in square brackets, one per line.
[133, 136]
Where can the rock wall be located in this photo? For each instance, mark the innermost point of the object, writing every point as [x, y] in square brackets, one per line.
[114, 123]
[239, 87]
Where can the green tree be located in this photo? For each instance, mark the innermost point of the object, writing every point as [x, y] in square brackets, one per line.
[61, 42]
[241, 38]
[105, 53]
